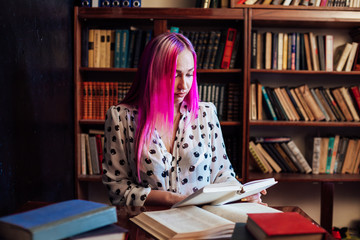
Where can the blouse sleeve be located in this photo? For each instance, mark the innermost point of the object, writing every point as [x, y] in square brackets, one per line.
[222, 170]
[119, 165]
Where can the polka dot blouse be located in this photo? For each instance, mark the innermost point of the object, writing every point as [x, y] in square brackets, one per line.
[198, 157]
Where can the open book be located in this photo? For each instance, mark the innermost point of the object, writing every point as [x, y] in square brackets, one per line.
[189, 221]
[221, 193]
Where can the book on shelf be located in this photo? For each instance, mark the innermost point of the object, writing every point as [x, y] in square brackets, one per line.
[109, 232]
[304, 104]
[351, 58]
[268, 158]
[329, 52]
[229, 44]
[319, 104]
[333, 155]
[341, 55]
[321, 51]
[57, 220]
[285, 51]
[195, 222]
[325, 104]
[259, 101]
[314, 51]
[258, 159]
[355, 94]
[324, 144]
[284, 225]
[226, 192]
[276, 104]
[340, 101]
[310, 101]
[285, 157]
[336, 109]
[340, 156]
[268, 49]
[349, 102]
[316, 155]
[350, 156]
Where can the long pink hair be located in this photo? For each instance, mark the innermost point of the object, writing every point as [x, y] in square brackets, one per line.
[153, 88]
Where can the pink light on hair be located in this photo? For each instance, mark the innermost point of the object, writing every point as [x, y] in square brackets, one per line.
[153, 88]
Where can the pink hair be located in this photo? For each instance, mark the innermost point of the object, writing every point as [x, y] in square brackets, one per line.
[153, 88]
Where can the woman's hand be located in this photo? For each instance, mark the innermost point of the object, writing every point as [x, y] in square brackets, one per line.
[164, 198]
[256, 198]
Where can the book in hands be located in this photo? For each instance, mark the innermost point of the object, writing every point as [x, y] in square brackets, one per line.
[57, 221]
[222, 193]
[194, 222]
[284, 225]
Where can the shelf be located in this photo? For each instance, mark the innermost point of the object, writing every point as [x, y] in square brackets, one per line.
[297, 177]
[161, 13]
[101, 122]
[89, 178]
[270, 71]
[304, 124]
[87, 69]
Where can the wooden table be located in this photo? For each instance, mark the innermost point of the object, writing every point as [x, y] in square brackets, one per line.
[136, 233]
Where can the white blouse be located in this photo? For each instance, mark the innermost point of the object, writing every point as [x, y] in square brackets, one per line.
[198, 157]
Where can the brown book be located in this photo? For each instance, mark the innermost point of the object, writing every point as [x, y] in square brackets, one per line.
[342, 104]
[304, 104]
[285, 157]
[284, 104]
[258, 160]
[324, 145]
[341, 55]
[336, 108]
[268, 158]
[268, 50]
[289, 102]
[285, 51]
[325, 104]
[350, 156]
[315, 109]
[91, 48]
[307, 51]
[252, 102]
[349, 102]
[314, 52]
[302, 110]
[97, 40]
[259, 51]
[259, 101]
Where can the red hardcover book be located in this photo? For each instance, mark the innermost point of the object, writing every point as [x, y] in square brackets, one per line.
[229, 44]
[85, 101]
[283, 225]
[356, 96]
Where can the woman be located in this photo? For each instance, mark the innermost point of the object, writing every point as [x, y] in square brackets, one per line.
[161, 143]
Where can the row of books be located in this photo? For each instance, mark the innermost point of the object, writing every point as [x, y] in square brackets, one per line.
[225, 98]
[302, 51]
[277, 155]
[314, 3]
[336, 154]
[92, 144]
[214, 49]
[91, 152]
[212, 3]
[118, 48]
[329, 155]
[99, 96]
[110, 3]
[303, 103]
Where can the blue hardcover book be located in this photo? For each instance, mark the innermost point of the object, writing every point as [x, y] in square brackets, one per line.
[117, 53]
[124, 48]
[268, 103]
[57, 221]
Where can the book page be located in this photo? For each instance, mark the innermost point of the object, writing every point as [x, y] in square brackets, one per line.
[237, 212]
[221, 193]
[187, 221]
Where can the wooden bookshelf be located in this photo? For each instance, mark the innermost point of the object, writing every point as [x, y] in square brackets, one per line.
[243, 18]
[159, 21]
[303, 19]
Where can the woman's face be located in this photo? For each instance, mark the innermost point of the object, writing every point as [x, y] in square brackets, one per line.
[184, 76]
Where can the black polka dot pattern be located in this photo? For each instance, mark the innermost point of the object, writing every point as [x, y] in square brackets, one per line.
[198, 158]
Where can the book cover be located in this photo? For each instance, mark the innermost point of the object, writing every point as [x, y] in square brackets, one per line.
[268, 49]
[57, 221]
[316, 155]
[268, 158]
[340, 156]
[324, 144]
[341, 55]
[289, 225]
[329, 154]
[229, 44]
[314, 51]
[315, 109]
[304, 104]
[299, 156]
[258, 159]
[329, 52]
[351, 58]
[319, 104]
[268, 104]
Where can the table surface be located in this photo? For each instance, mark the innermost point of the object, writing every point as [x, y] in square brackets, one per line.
[135, 232]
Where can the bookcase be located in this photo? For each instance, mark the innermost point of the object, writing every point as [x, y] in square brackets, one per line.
[158, 20]
[303, 19]
[337, 21]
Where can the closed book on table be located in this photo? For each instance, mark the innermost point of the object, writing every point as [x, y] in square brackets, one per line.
[285, 225]
[57, 221]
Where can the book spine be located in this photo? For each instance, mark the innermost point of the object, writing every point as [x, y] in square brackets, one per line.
[229, 44]
[316, 155]
[268, 104]
[300, 157]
